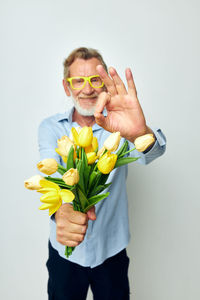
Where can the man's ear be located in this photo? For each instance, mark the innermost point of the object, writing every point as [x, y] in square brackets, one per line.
[67, 90]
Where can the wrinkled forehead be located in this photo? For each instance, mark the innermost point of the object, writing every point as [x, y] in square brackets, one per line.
[82, 67]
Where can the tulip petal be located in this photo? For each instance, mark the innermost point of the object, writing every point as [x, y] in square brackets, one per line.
[93, 147]
[33, 183]
[101, 151]
[58, 151]
[112, 142]
[88, 149]
[47, 190]
[91, 157]
[95, 143]
[71, 177]
[54, 209]
[49, 184]
[48, 166]
[75, 136]
[64, 158]
[50, 198]
[45, 206]
[144, 141]
[106, 163]
[67, 196]
[85, 136]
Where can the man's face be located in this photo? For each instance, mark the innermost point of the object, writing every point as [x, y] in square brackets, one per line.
[85, 99]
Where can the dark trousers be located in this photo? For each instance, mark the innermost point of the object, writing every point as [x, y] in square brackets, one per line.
[70, 281]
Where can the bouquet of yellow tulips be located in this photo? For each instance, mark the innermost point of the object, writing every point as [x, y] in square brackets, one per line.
[84, 175]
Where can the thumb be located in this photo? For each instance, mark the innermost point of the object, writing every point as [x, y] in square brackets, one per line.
[91, 213]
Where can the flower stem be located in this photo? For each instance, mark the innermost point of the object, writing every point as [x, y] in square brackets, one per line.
[126, 153]
[68, 251]
[76, 207]
[61, 169]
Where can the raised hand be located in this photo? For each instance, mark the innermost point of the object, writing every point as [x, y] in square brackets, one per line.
[124, 113]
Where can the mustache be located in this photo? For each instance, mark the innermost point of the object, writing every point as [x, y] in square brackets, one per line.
[88, 97]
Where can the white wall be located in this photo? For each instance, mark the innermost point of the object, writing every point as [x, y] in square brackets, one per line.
[159, 40]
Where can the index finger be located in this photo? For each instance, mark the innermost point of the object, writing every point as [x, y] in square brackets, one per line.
[109, 83]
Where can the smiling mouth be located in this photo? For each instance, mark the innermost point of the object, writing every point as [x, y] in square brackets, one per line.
[89, 97]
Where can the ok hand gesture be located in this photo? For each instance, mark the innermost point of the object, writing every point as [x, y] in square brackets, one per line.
[124, 113]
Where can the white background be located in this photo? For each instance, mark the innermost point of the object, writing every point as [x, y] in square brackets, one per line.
[159, 40]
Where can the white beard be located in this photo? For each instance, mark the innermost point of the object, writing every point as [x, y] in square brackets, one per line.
[83, 111]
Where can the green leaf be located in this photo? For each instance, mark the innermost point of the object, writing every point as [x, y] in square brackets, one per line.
[86, 177]
[99, 189]
[60, 182]
[96, 191]
[83, 200]
[103, 178]
[107, 185]
[124, 153]
[100, 180]
[76, 201]
[77, 152]
[86, 168]
[94, 200]
[70, 158]
[61, 170]
[54, 179]
[122, 149]
[76, 162]
[125, 160]
[81, 175]
[84, 157]
[92, 180]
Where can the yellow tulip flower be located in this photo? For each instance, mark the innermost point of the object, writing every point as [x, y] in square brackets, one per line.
[71, 177]
[112, 142]
[64, 158]
[33, 183]
[143, 142]
[53, 196]
[107, 163]
[48, 166]
[101, 151]
[78, 129]
[91, 157]
[64, 145]
[84, 137]
[93, 147]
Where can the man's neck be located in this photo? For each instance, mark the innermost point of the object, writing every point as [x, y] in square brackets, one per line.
[83, 120]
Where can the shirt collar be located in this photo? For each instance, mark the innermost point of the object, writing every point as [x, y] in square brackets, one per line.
[68, 116]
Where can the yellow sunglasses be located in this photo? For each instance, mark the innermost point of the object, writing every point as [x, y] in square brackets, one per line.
[79, 82]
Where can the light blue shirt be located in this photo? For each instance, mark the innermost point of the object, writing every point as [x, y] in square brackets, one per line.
[109, 233]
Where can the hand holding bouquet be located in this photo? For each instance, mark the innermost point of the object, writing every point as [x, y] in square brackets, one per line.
[85, 174]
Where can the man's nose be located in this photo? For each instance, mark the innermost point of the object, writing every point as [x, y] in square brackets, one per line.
[88, 89]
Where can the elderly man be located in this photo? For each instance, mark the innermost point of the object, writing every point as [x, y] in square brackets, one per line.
[101, 236]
